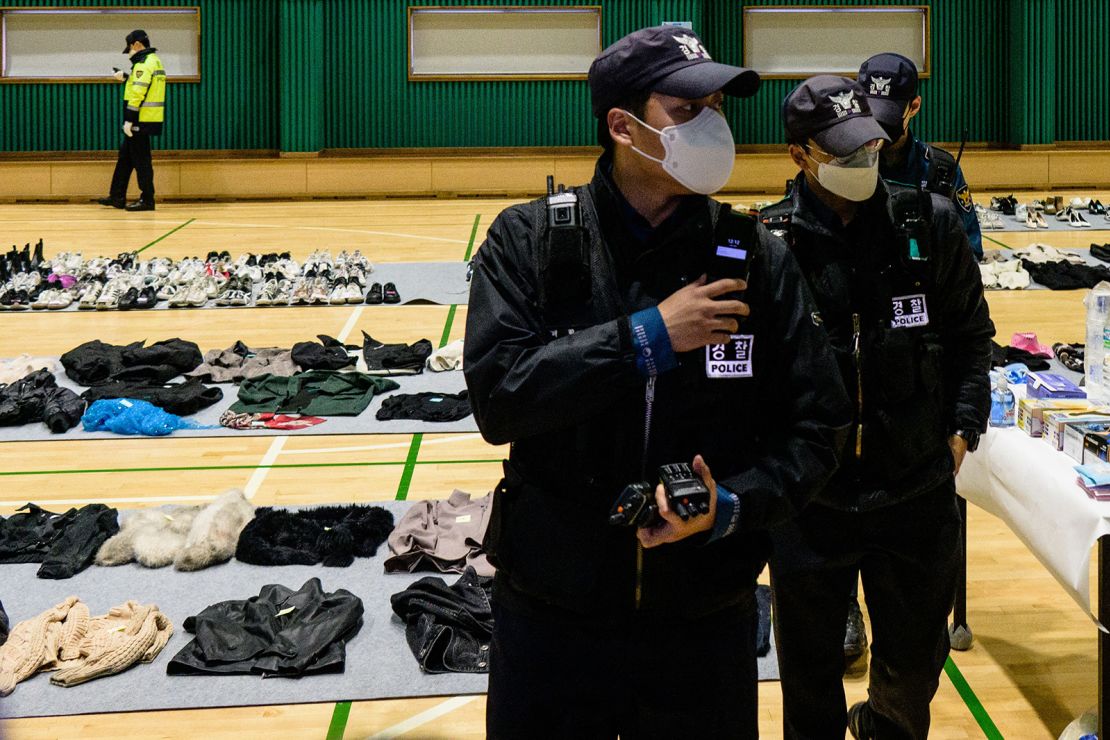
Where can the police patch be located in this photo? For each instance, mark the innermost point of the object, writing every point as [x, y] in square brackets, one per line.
[732, 360]
[138, 74]
[963, 198]
[909, 311]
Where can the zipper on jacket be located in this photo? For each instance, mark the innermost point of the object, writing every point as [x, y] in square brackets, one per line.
[649, 404]
[856, 356]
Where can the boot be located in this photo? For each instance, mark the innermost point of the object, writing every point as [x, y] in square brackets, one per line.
[855, 634]
[37, 257]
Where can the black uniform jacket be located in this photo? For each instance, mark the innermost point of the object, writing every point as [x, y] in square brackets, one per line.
[918, 371]
[574, 406]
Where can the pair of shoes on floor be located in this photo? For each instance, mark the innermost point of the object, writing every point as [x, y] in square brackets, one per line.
[139, 205]
[1095, 207]
[1073, 217]
[1034, 219]
[382, 294]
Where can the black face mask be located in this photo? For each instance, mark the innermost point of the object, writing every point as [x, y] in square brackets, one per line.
[894, 131]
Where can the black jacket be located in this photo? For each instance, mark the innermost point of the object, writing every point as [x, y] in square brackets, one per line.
[97, 363]
[37, 397]
[920, 383]
[280, 632]
[573, 408]
[65, 544]
[448, 628]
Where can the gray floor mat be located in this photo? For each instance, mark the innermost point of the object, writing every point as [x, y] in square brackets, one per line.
[379, 663]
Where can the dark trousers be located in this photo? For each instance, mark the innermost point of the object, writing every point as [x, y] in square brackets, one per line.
[554, 679]
[134, 154]
[907, 556]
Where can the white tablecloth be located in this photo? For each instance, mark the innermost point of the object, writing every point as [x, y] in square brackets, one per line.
[1032, 488]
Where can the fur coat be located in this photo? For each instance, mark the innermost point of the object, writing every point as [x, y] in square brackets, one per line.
[190, 537]
[332, 535]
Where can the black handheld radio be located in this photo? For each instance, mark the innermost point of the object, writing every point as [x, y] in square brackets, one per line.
[566, 258]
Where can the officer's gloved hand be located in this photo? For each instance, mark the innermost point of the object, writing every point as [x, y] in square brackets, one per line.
[674, 528]
[120, 75]
[127, 128]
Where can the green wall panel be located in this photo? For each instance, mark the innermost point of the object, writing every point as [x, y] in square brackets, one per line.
[233, 107]
[303, 75]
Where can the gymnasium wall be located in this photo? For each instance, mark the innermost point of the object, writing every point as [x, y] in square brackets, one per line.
[307, 75]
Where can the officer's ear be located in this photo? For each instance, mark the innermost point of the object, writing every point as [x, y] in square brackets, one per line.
[913, 108]
[619, 122]
[798, 156]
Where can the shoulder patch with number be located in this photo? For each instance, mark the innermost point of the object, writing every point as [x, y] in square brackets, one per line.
[733, 360]
[963, 198]
[909, 311]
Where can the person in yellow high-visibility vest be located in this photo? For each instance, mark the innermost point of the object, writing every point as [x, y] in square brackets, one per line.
[144, 95]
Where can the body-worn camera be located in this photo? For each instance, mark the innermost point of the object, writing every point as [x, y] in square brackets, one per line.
[686, 494]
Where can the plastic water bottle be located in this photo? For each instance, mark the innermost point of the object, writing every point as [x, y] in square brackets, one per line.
[1098, 340]
[1002, 402]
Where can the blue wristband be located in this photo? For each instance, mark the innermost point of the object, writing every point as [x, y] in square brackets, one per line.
[728, 514]
[654, 354]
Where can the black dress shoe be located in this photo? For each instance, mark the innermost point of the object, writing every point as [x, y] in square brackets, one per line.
[391, 294]
[374, 297]
[141, 205]
[148, 297]
[113, 202]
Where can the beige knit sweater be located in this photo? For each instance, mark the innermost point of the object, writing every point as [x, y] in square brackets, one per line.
[65, 639]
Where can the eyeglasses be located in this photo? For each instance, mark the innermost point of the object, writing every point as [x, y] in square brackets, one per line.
[865, 156]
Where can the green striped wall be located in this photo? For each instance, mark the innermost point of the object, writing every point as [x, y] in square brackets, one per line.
[304, 75]
[234, 106]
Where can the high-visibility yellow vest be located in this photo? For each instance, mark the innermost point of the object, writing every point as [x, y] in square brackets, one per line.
[145, 91]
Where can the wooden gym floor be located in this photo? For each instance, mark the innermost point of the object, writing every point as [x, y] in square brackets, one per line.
[1030, 672]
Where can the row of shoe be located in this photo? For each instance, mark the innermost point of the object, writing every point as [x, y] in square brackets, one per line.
[1052, 206]
[988, 220]
[1033, 217]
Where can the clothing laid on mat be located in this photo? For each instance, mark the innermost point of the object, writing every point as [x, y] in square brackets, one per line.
[443, 536]
[448, 628]
[288, 422]
[280, 632]
[449, 357]
[394, 359]
[331, 535]
[64, 543]
[314, 392]
[132, 416]
[96, 363]
[329, 354]
[1101, 252]
[1066, 275]
[1003, 356]
[37, 397]
[182, 399]
[22, 366]
[188, 537]
[81, 648]
[426, 406]
[240, 362]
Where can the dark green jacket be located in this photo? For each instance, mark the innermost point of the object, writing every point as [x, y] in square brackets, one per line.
[315, 393]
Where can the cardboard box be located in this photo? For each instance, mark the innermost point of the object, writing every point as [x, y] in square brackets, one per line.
[1094, 447]
[1057, 420]
[1030, 412]
[1075, 434]
[1051, 385]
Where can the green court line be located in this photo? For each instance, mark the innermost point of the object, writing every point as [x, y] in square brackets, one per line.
[473, 233]
[986, 724]
[447, 327]
[410, 467]
[339, 720]
[1007, 246]
[10, 473]
[179, 228]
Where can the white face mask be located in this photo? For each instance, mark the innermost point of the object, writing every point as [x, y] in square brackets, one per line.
[853, 177]
[699, 154]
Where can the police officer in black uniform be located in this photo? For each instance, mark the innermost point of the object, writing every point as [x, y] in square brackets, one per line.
[604, 357]
[902, 300]
[890, 81]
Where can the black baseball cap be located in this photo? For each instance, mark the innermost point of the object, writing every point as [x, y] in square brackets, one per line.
[667, 59]
[834, 112]
[136, 35]
[890, 81]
